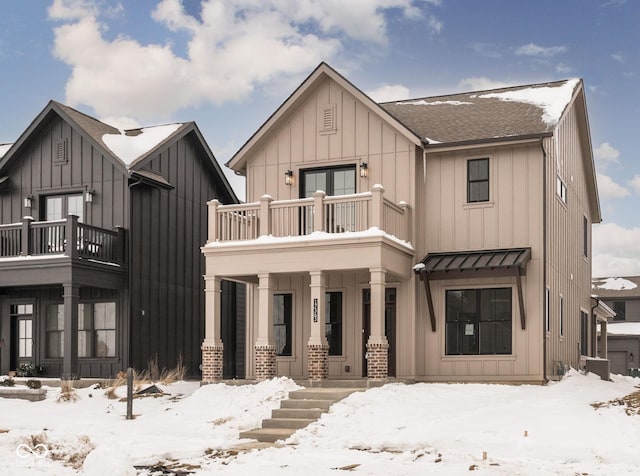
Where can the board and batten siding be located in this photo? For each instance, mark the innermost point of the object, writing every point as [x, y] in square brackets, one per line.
[513, 217]
[296, 143]
[166, 267]
[569, 271]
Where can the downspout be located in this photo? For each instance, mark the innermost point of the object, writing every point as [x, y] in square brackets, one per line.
[544, 262]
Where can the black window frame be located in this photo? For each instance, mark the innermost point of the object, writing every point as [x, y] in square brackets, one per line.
[94, 348]
[329, 172]
[620, 308]
[477, 177]
[283, 324]
[333, 321]
[584, 333]
[475, 330]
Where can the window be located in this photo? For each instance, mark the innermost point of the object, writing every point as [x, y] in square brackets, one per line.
[547, 310]
[282, 323]
[561, 189]
[478, 180]
[478, 321]
[54, 330]
[22, 315]
[585, 237]
[584, 333]
[97, 329]
[339, 217]
[620, 309]
[561, 315]
[57, 207]
[333, 321]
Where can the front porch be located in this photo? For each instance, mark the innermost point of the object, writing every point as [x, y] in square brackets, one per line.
[308, 244]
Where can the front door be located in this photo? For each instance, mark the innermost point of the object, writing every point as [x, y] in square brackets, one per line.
[21, 334]
[389, 327]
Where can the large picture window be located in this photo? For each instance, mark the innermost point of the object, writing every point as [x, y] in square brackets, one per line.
[333, 323]
[478, 180]
[54, 331]
[282, 323]
[97, 329]
[478, 321]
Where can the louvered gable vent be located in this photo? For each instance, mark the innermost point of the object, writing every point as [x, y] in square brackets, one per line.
[328, 119]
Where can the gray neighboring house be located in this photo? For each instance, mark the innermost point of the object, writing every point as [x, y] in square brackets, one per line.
[623, 332]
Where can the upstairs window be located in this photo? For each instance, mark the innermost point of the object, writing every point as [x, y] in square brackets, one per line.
[585, 237]
[477, 180]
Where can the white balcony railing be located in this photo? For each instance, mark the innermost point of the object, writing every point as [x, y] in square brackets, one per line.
[329, 214]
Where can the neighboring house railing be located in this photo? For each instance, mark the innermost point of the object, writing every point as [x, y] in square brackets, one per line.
[33, 238]
[289, 218]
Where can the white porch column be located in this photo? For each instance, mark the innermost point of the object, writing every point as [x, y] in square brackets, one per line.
[377, 345]
[317, 346]
[265, 349]
[212, 347]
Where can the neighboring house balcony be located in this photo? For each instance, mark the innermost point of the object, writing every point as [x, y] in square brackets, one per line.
[61, 251]
[361, 230]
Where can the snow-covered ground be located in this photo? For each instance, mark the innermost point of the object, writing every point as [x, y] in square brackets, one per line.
[393, 430]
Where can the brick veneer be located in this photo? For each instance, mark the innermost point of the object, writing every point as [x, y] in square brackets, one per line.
[265, 361]
[318, 361]
[212, 362]
[377, 363]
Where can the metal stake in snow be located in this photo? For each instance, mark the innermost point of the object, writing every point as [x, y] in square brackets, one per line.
[129, 393]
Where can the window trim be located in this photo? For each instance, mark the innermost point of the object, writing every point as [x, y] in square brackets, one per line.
[329, 171]
[487, 180]
[94, 331]
[47, 331]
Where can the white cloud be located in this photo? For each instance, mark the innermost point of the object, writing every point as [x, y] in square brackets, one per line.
[536, 50]
[486, 49]
[609, 189]
[615, 250]
[635, 184]
[389, 92]
[233, 48]
[481, 83]
[606, 154]
[618, 57]
[563, 68]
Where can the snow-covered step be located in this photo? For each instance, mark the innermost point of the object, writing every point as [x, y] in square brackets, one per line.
[307, 403]
[307, 413]
[268, 435]
[293, 423]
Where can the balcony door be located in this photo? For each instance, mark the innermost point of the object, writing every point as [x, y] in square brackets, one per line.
[57, 207]
[334, 181]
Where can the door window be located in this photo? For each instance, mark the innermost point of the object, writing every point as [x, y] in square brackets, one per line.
[57, 207]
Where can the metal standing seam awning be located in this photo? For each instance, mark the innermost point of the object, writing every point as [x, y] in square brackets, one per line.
[474, 264]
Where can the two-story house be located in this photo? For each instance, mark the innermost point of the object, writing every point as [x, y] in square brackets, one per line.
[100, 233]
[443, 238]
[622, 338]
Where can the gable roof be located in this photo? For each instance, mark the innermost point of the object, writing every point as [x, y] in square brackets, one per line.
[127, 148]
[322, 71]
[517, 111]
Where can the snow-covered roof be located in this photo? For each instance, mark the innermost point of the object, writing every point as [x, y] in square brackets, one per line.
[134, 143]
[4, 148]
[623, 328]
[615, 284]
[616, 287]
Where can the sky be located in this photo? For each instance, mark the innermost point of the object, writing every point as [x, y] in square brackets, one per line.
[229, 64]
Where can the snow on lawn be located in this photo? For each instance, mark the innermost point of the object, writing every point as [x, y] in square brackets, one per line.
[396, 430]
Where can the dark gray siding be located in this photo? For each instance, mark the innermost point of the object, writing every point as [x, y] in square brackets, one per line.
[168, 227]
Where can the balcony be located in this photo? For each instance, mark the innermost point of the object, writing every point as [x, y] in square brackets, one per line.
[332, 232]
[56, 248]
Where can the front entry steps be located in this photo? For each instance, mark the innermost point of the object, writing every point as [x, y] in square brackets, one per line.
[302, 408]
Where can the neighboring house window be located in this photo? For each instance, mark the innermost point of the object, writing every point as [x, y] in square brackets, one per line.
[585, 237]
[478, 321]
[54, 330]
[561, 315]
[584, 333]
[547, 309]
[620, 309]
[561, 189]
[97, 329]
[333, 321]
[282, 330]
[478, 180]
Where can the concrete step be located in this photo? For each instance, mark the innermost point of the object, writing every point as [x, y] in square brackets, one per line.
[268, 435]
[307, 413]
[332, 394]
[290, 423]
[307, 403]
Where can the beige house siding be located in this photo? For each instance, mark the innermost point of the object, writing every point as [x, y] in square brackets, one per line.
[569, 271]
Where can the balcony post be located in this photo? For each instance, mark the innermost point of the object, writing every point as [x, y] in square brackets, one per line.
[406, 221]
[318, 210]
[265, 215]
[25, 242]
[71, 237]
[212, 233]
[377, 206]
[121, 246]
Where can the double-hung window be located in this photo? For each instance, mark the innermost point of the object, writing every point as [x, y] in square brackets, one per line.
[97, 329]
[477, 180]
[54, 330]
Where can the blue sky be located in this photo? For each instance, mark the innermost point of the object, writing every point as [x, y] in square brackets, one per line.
[229, 64]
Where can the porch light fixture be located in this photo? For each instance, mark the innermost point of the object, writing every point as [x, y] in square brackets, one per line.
[288, 177]
[28, 201]
[364, 170]
[88, 196]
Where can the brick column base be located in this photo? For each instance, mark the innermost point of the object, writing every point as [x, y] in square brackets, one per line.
[212, 362]
[265, 361]
[377, 363]
[318, 361]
